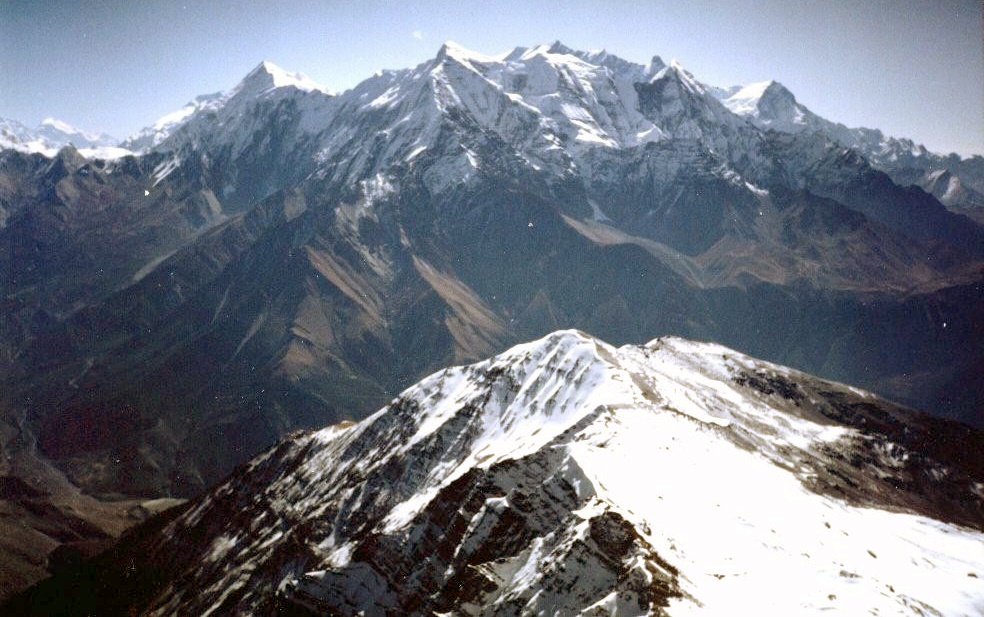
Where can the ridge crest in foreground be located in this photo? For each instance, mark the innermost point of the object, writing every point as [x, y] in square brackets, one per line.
[569, 476]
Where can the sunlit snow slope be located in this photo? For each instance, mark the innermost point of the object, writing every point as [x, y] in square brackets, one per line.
[567, 476]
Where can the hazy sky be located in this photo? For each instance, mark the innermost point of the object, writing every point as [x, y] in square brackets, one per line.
[914, 68]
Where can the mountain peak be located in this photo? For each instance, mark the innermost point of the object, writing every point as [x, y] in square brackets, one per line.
[555, 49]
[265, 78]
[559, 48]
[57, 133]
[268, 75]
[655, 66]
[775, 89]
[766, 100]
[674, 70]
[60, 125]
[452, 49]
[679, 68]
[52, 135]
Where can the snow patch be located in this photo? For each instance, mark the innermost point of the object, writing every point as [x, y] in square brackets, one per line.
[386, 99]
[375, 189]
[758, 191]
[597, 213]
[164, 169]
[105, 153]
[220, 547]
[415, 153]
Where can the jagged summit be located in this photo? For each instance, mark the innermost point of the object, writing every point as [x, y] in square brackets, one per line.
[559, 48]
[751, 93]
[517, 54]
[655, 65]
[681, 74]
[455, 50]
[266, 80]
[769, 102]
[267, 76]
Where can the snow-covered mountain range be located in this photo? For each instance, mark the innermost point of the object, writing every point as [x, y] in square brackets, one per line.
[277, 257]
[563, 102]
[956, 182]
[52, 135]
[568, 476]
[600, 108]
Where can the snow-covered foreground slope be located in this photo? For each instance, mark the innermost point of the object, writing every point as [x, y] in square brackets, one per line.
[567, 476]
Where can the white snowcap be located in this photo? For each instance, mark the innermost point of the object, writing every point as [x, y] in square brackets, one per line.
[277, 77]
[60, 125]
[451, 49]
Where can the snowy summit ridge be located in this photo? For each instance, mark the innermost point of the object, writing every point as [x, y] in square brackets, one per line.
[267, 76]
[265, 79]
[566, 475]
[608, 116]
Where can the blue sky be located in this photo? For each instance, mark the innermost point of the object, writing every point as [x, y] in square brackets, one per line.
[914, 68]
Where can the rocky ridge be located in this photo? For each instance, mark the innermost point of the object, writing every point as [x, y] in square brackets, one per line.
[569, 475]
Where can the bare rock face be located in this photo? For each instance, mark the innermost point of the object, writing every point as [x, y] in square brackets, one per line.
[569, 476]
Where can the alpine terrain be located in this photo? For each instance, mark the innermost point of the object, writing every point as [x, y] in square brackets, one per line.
[275, 257]
[567, 476]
